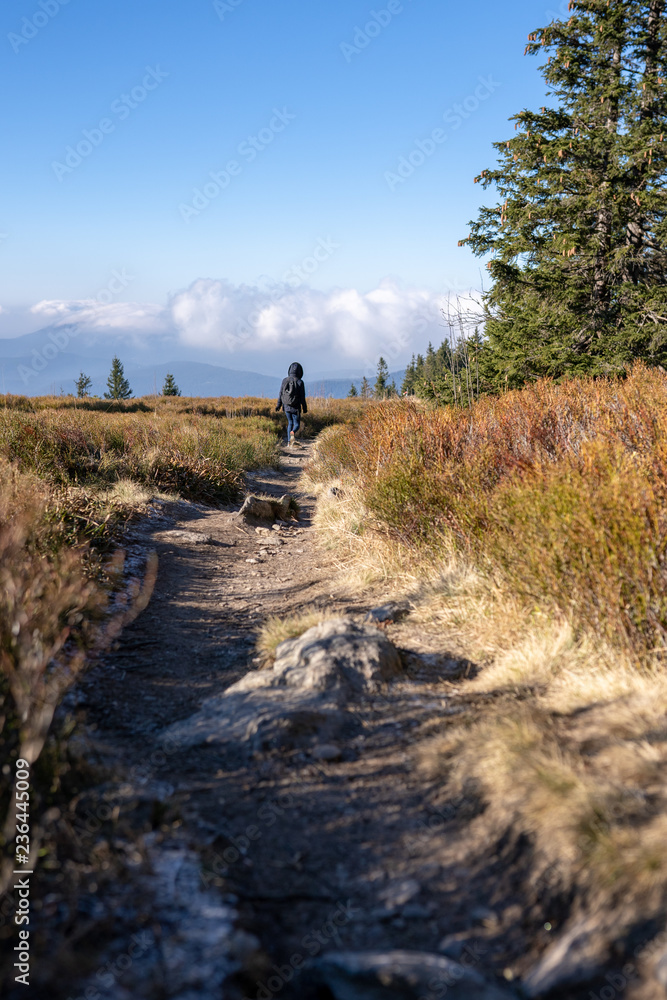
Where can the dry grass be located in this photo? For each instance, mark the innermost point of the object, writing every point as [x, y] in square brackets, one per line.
[558, 491]
[46, 596]
[532, 532]
[277, 629]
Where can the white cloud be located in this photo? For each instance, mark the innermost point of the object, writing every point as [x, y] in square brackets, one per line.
[254, 325]
[388, 320]
[135, 316]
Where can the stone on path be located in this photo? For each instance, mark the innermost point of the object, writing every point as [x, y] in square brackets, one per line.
[399, 975]
[574, 958]
[184, 536]
[302, 701]
[392, 612]
[259, 509]
[326, 752]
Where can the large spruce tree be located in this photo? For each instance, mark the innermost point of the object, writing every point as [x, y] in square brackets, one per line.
[579, 238]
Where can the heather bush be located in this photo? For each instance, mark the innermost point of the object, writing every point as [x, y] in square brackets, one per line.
[46, 598]
[201, 458]
[560, 490]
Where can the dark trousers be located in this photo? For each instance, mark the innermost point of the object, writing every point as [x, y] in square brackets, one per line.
[293, 423]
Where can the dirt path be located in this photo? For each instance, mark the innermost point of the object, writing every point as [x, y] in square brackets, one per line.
[358, 853]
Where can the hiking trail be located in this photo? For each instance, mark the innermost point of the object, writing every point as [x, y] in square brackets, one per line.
[247, 865]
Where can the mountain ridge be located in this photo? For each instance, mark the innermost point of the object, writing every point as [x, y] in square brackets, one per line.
[43, 363]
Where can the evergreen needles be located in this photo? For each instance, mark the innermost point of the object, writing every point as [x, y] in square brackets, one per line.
[577, 240]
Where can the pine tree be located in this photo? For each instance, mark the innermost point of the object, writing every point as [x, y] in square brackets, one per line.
[365, 390]
[117, 384]
[83, 384]
[579, 239]
[380, 388]
[170, 388]
[430, 362]
[353, 392]
[409, 379]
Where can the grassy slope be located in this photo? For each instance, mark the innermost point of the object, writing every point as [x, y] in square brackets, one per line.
[533, 527]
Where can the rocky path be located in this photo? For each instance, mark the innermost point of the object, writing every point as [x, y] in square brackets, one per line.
[255, 861]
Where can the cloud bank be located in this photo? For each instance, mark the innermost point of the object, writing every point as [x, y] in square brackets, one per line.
[259, 321]
[96, 315]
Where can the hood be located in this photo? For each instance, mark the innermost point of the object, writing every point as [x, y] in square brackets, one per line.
[295, 369]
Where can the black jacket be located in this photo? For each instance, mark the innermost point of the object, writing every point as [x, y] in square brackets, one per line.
[295, 371]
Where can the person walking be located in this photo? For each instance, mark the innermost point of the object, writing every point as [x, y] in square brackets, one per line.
[292, 398]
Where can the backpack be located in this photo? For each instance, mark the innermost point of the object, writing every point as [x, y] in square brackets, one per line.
[290, 393]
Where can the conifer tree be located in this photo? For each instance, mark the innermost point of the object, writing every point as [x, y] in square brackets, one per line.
[579, 238]
[170, 388]
[380, 389]
[117, 384]
[410, 378]
[83, 384]
[365, 388]
[353, 392]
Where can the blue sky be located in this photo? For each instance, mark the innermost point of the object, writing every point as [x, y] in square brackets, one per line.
[180, 87]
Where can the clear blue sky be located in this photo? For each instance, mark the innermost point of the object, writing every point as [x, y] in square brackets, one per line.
[323, 176]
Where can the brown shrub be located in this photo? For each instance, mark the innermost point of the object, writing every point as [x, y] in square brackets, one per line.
[559, 489]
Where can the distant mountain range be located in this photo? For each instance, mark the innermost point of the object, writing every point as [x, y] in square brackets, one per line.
[49, 360]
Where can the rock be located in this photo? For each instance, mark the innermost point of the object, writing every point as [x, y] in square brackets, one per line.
[251, 560]
[575, 958]
[388, 613]
[454, 945]
[398, 975]
[483, 915]
[660, 969]
[188, 537]
[301, 701]
[262, 509]
[400, 893]
[326, 751]
[337, 653]
[262, 531]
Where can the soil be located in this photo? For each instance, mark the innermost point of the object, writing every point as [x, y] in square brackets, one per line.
[363, 852]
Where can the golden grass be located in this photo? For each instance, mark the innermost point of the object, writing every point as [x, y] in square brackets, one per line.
[277, 629]
[530, 532]
[557, 491]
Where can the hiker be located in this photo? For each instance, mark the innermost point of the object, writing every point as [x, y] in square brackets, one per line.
[292, 398]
